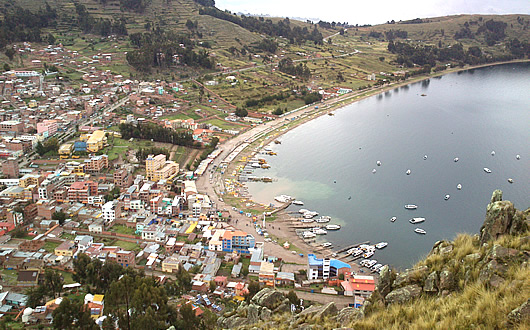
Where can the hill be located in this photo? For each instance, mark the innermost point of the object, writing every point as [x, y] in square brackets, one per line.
[480, 281]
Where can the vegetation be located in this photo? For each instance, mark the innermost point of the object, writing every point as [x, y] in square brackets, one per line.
[142, 153]
[157, 133]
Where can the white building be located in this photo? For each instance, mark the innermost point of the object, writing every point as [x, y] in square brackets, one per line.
[109, 212]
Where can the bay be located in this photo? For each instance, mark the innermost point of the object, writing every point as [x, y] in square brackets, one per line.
[467, 115]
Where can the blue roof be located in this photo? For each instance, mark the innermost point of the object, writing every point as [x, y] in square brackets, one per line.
[338, 264]
[314, 261]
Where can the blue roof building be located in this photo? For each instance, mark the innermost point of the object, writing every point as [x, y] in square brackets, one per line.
[324, 268]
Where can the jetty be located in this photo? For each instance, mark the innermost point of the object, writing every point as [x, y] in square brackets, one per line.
[351, 247]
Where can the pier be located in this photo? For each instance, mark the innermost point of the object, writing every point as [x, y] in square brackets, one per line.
[351, 247]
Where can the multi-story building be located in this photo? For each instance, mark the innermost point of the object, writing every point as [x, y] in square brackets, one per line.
[66, 248]
[266, 273]
[325, 268]
[47, 127]
[10, 168]
[11, 126]
[238, 241]
[122, 178]
[152, 164]
[110, 210]
[96, 163]
[31, 179]
[96, 141]
[123, 258]
[80, 191]
[169, 169]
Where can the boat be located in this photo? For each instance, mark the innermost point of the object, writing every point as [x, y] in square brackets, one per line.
[370, 263]
[411, 206]
[308, 234]
[408, 172]
[302, 211]
[283, 198]
[518, 157]
[265, 166]
[393, 219]
[420, 231]
[352, 250]
[510, 180]
[374, 170]
[323, 219]
[368, 254]
[447, 197]
[459, 186]
[455, 160]
[381, 245]
[304, 220]
[378, 163]
[357, 253]
[310, 214]
[376, 268]
[319, 231]
[493, 153]
[327, 244]
[332, 227]
[425, 157]
[416, 220]
[277, 141]
[331, 114]
[255, 165]
[298, 203]
[487, 170]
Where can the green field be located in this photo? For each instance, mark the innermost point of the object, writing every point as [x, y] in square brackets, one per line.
[121, 229]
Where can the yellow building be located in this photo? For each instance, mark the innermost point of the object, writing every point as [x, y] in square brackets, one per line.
[96, 141]
[66, 149]
[76, 168]
[170, 265]
[153, 164]
[67, 248]
[29, 179]
[170, 169]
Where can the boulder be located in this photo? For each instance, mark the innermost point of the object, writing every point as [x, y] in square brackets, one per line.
[501, 253]
[268, 297]
[253, 312]
[447, 280]
[441, 248]
[431, 283]
[492, 267]
[472, 257]
[499, 218]
[265, 314]
[520, 314]
[403, 295]
[347, 315]
[495, 281]
[385, 280]
[326, 310]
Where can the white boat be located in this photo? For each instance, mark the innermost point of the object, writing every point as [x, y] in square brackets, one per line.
[378, 163]
[304, 220]
[510, 180]
[327, 244]
[323, 219]
[255, 165]
[393, 219]
[283, 198]
[370, 263]
[493, 153]
[368, 254]
[319, 231]
[332, 227]
[408, 172]
[302, 211]
[487, 170]
[425, 157]
[352, 250]
[455, 160]
[420, 231]
[518, 157]
[459, 186]
[374, 170]
[411, 206]
[376, 268]
[357, 253]
[416, 220]
[310, 214]
[298, 203]
[381, 245]
[308, 234]
[447, 197]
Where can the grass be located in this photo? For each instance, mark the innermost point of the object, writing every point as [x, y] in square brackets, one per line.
[67, 277]
[129, 246]
[50, 246]
[122, 229]
[9, 277]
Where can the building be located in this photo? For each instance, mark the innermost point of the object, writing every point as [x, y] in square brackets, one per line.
[10, 168]
[96, 141]
[47, 127]
[122, 178]
[325, 268]
[66, 248]
[170, 265]
[66, 149]
[96, 164]
[152, 164]
[11, 126]
[80, 191]
[110, 209]
[169, 169]
[358, 285]
[266, 273]
[238, 241]
[124, 258]
[284, 278]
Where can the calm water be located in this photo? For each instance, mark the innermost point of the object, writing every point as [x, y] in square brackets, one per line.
[465, 115]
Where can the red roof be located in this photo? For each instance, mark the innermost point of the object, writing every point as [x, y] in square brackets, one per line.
[363, 287]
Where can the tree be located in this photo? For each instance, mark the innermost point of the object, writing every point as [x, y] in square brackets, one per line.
[241, 112]
[213, 286]
[293, 298]
[187, 314]
[10, 53]
[36, 296]
[80, 268]
[72, 315]
[59, 215]
[53, 282]
[253, 288]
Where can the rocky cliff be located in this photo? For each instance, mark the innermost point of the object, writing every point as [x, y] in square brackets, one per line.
[474, 281]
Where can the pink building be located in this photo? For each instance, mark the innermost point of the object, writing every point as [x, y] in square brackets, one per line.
[49, 126]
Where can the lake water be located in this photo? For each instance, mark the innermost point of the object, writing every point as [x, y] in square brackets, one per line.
[466, 115]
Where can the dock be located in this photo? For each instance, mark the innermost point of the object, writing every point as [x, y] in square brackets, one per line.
[351, 247]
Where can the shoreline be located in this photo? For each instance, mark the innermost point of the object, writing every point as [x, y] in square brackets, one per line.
[281, 228]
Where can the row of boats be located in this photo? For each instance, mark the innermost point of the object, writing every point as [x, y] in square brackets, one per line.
[417, 219]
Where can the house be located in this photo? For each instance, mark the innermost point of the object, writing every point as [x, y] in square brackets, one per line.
[16, 300]
[170, 265]
[266, 273]
[255, 260]
[96, 227]
[325, 268]
[284, 278]
[360, 285]
[29, 277]
[66, 248]
[96, 304]
[200, 286]
[221, 281]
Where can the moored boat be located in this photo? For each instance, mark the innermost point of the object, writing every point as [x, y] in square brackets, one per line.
[308, 234]
[323, 219]
[459, 186]
[381, 245]
[420, 231]
[298, 203]
[416, 220]
[368, 254]
[326, 244]
[447, 197]
[411, 206]
[393, 219]
[332, 227]
[487, 170]
[408, 172]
